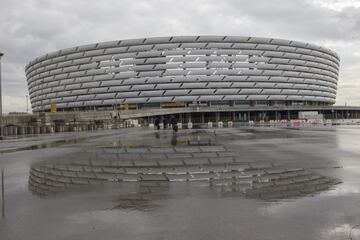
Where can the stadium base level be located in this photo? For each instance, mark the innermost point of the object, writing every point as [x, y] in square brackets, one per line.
[212, 114]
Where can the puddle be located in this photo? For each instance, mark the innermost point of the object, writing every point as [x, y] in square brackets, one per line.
[153, 168]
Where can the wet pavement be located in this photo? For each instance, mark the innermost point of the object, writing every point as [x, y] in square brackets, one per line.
[240, 183]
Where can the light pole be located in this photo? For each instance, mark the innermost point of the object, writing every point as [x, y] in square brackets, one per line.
[27, 104]
[1, 119]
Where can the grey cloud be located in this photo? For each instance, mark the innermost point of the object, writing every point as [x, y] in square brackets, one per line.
[34, 27]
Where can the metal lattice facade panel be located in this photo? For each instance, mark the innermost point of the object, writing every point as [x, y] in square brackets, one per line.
[183, 68]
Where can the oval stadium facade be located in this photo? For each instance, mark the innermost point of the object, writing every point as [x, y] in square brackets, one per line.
[184, 70]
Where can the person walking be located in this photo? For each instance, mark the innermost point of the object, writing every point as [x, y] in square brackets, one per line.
[173, 122]
[157, 123]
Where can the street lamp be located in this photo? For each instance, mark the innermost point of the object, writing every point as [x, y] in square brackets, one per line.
[1, 120]
[27, 104]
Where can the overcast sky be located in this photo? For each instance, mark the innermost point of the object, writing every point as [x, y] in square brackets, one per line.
[32, 28]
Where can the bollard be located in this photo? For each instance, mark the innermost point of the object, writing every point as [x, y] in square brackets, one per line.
[189, 125]
[220, 124]
[230, 124]
[151, 125]
[210, 124]
[179, 125]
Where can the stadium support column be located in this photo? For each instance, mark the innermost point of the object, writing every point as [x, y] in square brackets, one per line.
[217, 116]
[188, 117]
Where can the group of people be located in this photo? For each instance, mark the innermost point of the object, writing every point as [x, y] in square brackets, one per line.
[173, 123]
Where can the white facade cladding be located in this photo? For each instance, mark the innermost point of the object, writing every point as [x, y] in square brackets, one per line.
[208, 69]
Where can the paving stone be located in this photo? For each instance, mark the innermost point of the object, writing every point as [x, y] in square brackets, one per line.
[275, 171]
[86, 175]
[105, 176]
[301, 179]
[295, 186]
[121, 163]
[113, 150]
[283, 181]
[37, 174]
[131, 156]
[98, 162]
[203, 175]
[153, 155]
[213, 149]
[145, 162]
[92, 169]
[222, 160]
[161, 170]
[270, 177]
[178, 177]
[59, 184]
[153, 177]
[260, 165]
[137, 150]
[257, 172]
[127, 175]
[194, 149]
[107, 156]
[204, 154]
[53, 188]
[313, 177]
[232, 174]
[213, 167]
[80, 181]
[74, 168]
[179, 155]
[115, 170]
[187, 168]
[150, 183]
[70, 174]
[289, 174]
[162, 150]
[171, 162]
[81, 161]
[322, 187]
[64, 179]
[135, 170]
[60, 167]
[55, 172]
[262, 184]
[196, 161]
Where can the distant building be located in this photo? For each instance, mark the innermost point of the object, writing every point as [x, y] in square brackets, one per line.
[17, 113]
[184, 71]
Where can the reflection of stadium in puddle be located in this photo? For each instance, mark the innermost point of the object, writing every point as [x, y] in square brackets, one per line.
[164, 138]
[148, 173]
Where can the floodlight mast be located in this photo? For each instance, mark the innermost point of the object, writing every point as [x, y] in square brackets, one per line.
[1, 116]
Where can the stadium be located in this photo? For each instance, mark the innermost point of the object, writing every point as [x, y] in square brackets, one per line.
[184, 71]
